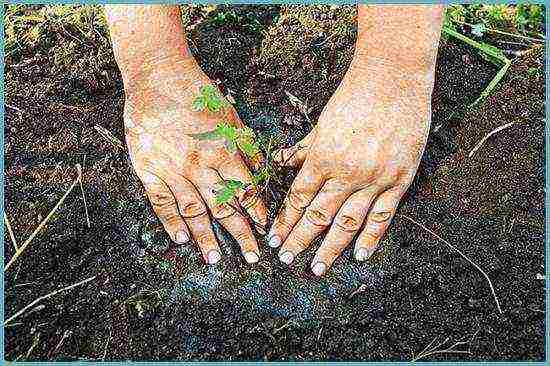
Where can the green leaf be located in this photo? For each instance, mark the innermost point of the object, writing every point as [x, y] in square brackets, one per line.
[199, 103]
[214, 104]
[228, 191]
[479, 30]
[250, 149]
[209, 90]
[260, 177]
[227, 131]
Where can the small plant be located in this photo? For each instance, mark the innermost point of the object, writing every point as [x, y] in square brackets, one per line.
[235, 138]
[211, 99]
[528, 17]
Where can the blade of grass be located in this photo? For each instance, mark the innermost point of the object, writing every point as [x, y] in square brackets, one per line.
[462, 255]
[10, 232]
[495, 55]
[43, 223]
[47, 296]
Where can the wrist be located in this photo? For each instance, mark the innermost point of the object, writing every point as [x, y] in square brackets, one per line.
[381, 77]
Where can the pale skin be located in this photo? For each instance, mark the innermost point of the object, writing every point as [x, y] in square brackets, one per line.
[354, 167]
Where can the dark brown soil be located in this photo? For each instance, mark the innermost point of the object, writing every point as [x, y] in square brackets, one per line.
[144, 305]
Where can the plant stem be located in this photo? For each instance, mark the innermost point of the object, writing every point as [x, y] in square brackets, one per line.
[43, 223]
[491, 30]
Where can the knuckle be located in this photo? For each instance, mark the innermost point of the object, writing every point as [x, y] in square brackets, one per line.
[297, 200]
[381, 217]
[222, 211]
[317, 217]
[332, 251]
[370, 236]
[161, 199]
[203, 238]
[192, 209]
[249, 199]
[347, 223]
[242, 236]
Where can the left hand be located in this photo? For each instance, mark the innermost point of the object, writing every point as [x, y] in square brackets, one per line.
[356, 165]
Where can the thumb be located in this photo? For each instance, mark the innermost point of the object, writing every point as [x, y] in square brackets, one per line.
[294, 156]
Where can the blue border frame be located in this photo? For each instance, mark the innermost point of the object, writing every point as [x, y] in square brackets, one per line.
[547, 166]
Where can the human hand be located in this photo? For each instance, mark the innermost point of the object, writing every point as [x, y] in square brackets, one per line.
[179, 172]
[356, 164]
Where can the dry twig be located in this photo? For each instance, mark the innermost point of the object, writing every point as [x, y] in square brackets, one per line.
[431, 349]
[16, 315]
[10, 232]
[462, 255]
[43, 223]
[480, 143]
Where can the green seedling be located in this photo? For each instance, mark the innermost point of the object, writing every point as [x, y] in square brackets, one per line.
[234, 138]
[241, 139]
[211, 99]
[528, 16]
[228, 191]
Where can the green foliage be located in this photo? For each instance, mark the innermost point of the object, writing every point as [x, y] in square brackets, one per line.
[211, 99]
[521, 18]
[229, 190]
[528, 17]
[234, 138]
[230, 17]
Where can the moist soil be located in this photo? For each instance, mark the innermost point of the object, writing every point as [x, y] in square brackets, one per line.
[150, 300]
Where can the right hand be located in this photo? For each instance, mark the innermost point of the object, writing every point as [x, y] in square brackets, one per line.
[179, 172]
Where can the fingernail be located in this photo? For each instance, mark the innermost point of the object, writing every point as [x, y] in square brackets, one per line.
[274, 241]
[286, 257]
[182, 237]
[214, 257]
[251, 257]
[362, 254]
[319, 268]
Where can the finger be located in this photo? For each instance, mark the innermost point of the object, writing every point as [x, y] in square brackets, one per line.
[303, 190]
[248, 199]
[193, 210]
[346, 224]
[228, 214]
[294, 156]
[317, 217]
[377, 221]
[165, 207]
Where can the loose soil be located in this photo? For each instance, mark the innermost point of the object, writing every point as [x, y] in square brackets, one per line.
[153, 301]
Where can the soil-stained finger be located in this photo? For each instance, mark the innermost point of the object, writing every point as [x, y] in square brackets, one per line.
[377, 222]
[345, 226]
[316, 219]
[165, 206]
[301, 193]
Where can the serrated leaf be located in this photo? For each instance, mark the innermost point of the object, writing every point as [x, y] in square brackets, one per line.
[214, 104]
[209, 90]
[198, 104]
[250, 149]
[227, 131]
[228, 191]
